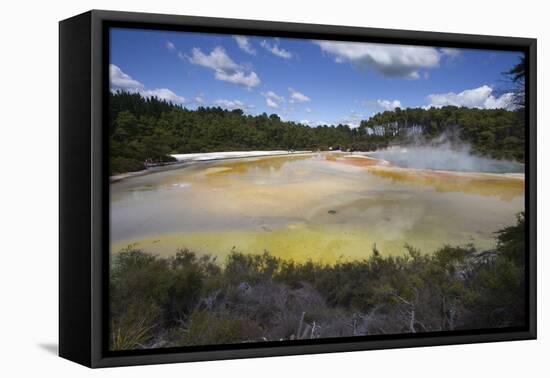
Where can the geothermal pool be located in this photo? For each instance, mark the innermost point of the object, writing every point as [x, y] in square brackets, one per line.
[325, 207]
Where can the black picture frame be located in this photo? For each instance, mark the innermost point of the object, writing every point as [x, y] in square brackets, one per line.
[84, 187]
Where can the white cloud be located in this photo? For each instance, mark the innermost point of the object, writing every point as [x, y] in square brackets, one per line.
[276, 50]
[217, 60]
[308, 110]
[123, 82]
[272, 99]
[481, 97]
[249, 80]
[272, 104]
[244, 44]
[450, 53]
[505, 101]
[312, 123]
[273, 96]
[389, 60]
[224, 67]
[232, 104]
[163, 94]
[170, 46]
[388, 104]
[120, 80]
[296, 96]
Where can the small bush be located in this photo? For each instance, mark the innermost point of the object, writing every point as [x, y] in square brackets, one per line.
[122, 165]
[212, 328]
[194, 300]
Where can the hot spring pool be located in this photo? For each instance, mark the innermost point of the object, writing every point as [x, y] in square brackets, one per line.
[325, 206]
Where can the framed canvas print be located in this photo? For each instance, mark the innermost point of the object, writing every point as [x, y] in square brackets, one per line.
[234, 188]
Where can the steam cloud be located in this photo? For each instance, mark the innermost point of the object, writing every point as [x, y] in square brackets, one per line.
[446, 157]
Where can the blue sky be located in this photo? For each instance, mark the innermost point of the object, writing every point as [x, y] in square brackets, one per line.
[313, 82]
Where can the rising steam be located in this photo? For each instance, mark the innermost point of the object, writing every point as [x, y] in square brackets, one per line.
[445, 156]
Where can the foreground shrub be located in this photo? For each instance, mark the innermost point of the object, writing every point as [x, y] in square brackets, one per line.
[192, 300]
[214, 328]
[122, 164]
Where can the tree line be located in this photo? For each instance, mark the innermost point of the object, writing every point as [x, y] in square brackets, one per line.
[148, 128]
[151, 129]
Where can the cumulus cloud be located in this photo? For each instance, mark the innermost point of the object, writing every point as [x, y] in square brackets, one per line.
[450, 53]
[388, 104]
[244, 44]
[224, 67]
[308, 110]
[123, 82]
[388, 60]
[248, 80]
[310, 123]
[163, 94]
[481, 97]
[296, 96]
[232, 104]
[272, 104]
[272, 99]
[120, 80]
[217, 60]
[276, 50]
[273, 95]
[170, 46]
[505, 101]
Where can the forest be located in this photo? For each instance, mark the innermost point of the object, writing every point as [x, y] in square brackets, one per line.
[148, 128]
[190, 299]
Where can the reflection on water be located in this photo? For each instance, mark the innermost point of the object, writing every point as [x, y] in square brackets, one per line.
[319, 206]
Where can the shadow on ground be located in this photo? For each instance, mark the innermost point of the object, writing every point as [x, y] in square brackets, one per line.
[51, 348]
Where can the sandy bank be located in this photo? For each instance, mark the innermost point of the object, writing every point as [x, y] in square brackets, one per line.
[186, 159]
[232, 155]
